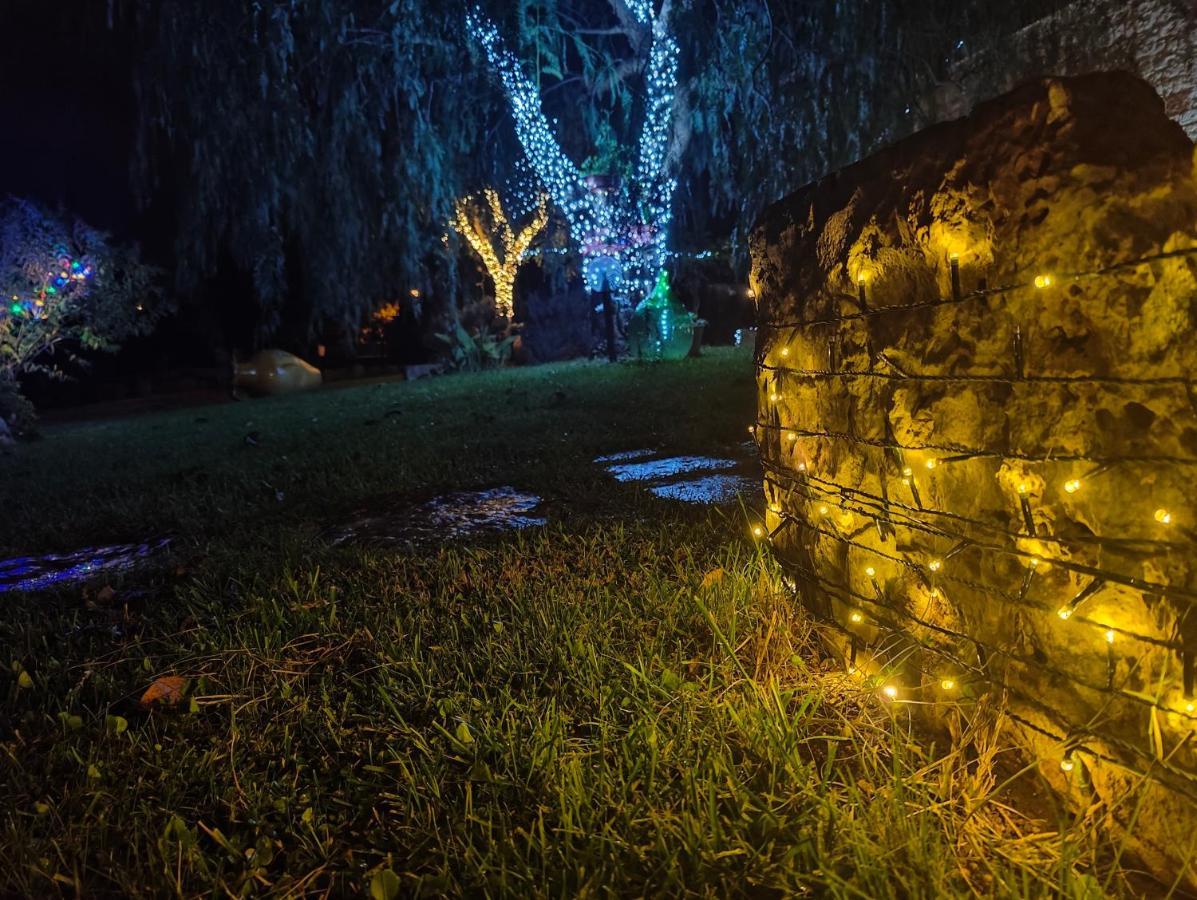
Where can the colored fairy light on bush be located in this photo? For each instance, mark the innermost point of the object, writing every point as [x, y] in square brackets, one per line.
[660, 327]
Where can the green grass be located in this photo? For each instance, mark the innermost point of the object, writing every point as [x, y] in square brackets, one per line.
[625, 702]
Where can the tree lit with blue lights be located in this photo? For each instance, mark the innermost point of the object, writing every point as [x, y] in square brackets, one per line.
[622, 232]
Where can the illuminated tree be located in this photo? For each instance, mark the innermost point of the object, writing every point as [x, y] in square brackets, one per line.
[65, 287]
[502, 261]
[630, 224]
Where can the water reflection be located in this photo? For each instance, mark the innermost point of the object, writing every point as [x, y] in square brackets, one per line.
[709, 489]
[666, 468]
[37, 573]
[450, 516]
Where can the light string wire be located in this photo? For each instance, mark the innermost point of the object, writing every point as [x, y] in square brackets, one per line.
[884, 512]
[1074, 735]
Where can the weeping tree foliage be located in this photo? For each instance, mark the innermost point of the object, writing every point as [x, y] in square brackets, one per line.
[320, 145]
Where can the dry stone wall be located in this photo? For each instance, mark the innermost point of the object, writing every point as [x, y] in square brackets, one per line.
[1155, 39]
[977, 362]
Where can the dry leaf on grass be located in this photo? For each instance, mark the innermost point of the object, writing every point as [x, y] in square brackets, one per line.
[165, 691]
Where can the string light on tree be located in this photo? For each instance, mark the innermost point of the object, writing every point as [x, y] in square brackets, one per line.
[502, 262]
[629, 226]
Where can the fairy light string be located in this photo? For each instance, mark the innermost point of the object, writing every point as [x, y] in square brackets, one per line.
[629, 226]
[924, 538]
[501, 247]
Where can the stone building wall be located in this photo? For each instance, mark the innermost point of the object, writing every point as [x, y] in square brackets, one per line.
[1155, 39]
[977, 415]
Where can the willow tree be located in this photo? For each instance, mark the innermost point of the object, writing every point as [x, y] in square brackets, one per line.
[316, 146]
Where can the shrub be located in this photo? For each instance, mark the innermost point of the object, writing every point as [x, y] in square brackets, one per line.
[65, 287]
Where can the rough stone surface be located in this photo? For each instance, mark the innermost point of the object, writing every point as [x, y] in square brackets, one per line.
[924, 440]
[1155, 39]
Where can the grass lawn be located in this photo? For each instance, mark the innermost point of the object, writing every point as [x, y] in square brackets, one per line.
[625, 701]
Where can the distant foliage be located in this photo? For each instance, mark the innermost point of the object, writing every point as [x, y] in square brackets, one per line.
[319, 146]
[66, 288]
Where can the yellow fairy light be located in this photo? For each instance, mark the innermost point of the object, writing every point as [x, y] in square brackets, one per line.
[1033, 562]
[758, 531]
[791, 437]
[415, 293]
[935, 592]
[1043, 281]
[1064, 612]
[1066, 764]
[930, 464]
[948, 684]
[785, 351]
[890, 691]
[1072, 486]
[823, 510]
[856, 618]
[774, 508]
[1109, 635]
[1163, 516]
[908, 472]
[935, 565]
[1023, 487]
[801, 467]
[773, 398]
[870, 571]
[468, 222]
[1189, 707]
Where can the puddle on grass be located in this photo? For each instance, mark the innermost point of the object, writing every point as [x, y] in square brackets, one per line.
[655, 469]
[625, 456]
[688, 479]
[37, 573]
[450, 516]
[713, 489]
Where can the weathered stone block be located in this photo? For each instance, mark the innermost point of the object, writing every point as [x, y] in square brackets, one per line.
[976, 363]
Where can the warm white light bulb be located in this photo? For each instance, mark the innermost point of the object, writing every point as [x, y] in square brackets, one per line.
[1064, 612]
[792, 437]
[890, 691]
[785, 351]
[856, 617]
[1067, 764]
[935, 565]
[1072, 486]
[1109, 635]
[948, 684]
[930, 464]
[1043, 281]
[823, 510]
[1163, 516]
[757, 531]
[907, 471]
[870, 571]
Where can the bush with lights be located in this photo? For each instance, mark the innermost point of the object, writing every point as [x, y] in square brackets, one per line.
[66, 288]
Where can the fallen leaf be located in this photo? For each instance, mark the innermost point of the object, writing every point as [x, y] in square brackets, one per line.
[167, 691]
[384, 885]
[715, 576]
[463, 734]
[105, 594]
[24, 680]
[117, 724]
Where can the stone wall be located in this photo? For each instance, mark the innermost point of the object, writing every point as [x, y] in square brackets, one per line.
[978, 422]
[1155, 39]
